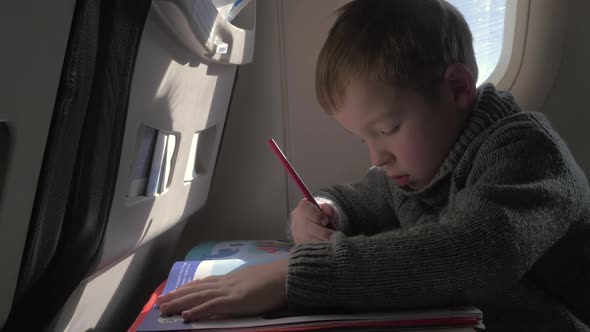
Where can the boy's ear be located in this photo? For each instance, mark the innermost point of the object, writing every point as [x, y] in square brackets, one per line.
[461, 85]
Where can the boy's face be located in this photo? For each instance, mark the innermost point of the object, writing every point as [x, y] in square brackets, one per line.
[408, 136]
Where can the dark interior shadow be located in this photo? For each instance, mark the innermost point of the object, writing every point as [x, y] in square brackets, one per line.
[5, 153]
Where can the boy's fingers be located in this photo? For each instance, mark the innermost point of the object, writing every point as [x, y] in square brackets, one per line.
[324, 221]
[326, 234]
[178, 293]
[315, 215]
[319, 233]
[327, 209]
[330, 215]
[307, 210]
[185, 290]
[203, 281]
[189, 301]
[217, 306]
[306, 238]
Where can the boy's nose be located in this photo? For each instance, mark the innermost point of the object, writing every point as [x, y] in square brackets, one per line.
[380, 157]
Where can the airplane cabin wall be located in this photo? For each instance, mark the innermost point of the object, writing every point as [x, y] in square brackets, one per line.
[322, 151]
[246, 183]
[251, 196]
[274, 96]
[567, 105]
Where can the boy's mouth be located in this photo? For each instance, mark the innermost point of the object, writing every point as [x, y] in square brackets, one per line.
[401, 181]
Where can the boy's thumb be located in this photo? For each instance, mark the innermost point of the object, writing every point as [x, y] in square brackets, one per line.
[328, 215]
[328, 210]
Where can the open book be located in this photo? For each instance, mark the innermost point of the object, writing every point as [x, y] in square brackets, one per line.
[217, 258]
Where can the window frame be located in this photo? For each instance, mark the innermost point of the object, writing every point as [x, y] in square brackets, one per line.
[513, 45]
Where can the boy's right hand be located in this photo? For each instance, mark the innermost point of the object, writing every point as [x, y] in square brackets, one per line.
[309, 224]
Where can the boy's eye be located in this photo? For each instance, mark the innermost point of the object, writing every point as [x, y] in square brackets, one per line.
[390, 132]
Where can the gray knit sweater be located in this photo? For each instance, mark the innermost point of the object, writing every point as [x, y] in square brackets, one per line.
[504, 225]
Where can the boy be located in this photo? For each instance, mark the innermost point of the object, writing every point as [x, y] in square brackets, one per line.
[470, 200]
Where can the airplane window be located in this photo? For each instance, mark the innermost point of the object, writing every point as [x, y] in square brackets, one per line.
[486, 21]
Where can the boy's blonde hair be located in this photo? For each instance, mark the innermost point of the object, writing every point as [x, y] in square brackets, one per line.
[404, 43]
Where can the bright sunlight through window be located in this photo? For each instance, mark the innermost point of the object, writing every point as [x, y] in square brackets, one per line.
[486, 21]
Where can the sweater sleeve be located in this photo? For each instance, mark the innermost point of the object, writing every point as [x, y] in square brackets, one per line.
[517, 201]
[364, 207]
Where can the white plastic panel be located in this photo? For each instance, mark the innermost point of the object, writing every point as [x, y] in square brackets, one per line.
[202, 28]
[30, 63]
[248, 193]
[174, 91]
[201, 156]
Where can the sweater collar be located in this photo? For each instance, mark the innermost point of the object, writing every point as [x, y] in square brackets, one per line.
[491, 106]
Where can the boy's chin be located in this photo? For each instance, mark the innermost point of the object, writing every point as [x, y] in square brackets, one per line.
[413, 186]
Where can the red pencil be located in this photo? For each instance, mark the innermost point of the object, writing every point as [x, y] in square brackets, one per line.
[275, 148]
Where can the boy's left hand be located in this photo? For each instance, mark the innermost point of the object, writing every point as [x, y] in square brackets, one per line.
[252, 290]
